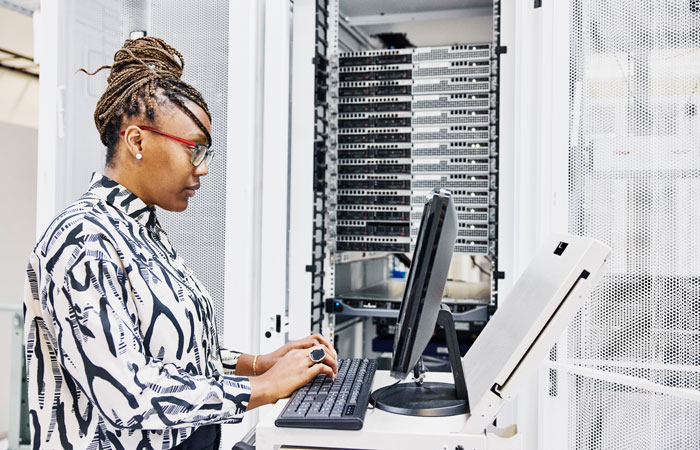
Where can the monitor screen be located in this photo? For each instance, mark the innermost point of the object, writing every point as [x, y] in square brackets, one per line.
[426, 282]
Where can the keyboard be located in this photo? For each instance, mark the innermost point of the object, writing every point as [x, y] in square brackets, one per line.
[338, 404]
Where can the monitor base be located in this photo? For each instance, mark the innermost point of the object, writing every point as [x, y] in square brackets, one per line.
[426, 400]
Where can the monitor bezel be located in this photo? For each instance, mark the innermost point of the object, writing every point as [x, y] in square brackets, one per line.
[411, 313]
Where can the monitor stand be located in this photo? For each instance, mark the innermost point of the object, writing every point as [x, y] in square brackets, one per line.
[429, 399]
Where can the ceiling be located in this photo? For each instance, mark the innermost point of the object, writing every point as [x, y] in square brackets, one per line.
[354, 8]
[423, 22]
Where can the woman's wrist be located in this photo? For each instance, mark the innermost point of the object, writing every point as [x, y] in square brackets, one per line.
[261, 392]
[264, 364]
[254, 365]
[244, 366]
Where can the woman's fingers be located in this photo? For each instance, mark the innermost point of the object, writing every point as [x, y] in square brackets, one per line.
[329, 359]
[322, 368]
[323, 340]
[306, 342]
[294, 370]
[312, 341]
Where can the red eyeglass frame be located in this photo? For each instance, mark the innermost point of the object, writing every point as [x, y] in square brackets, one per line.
[192, 145]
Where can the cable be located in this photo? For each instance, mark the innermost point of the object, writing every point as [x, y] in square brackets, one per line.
[384, 393]
[479, 267]
[405, 260]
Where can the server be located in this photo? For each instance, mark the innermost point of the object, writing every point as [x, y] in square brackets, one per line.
[403, 123]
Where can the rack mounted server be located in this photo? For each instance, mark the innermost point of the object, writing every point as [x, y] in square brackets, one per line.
[402, 123]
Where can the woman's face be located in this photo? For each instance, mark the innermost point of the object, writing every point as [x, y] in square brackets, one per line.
[166, 176]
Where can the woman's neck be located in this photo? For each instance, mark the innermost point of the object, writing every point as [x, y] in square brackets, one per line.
[121, 177]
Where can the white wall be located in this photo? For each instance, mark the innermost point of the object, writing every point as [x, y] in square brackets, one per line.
[20, 98]
[17, 203]
[18, 206]
[19, 113]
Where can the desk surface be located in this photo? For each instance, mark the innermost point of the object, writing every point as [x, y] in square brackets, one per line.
[382, 430]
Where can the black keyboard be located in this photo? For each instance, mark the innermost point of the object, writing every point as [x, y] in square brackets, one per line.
[338, 404]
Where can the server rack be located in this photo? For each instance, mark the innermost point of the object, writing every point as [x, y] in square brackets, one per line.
[399, 123]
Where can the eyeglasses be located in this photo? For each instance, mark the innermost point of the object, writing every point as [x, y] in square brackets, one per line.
[200, 152]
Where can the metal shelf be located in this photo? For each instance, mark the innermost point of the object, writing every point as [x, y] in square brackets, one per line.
[384, 300]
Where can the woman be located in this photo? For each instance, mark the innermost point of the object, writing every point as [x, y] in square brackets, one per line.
[122, 347]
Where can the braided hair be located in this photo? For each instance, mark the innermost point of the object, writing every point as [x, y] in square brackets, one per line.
[144, 70]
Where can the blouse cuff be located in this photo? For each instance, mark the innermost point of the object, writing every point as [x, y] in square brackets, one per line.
[229, 359]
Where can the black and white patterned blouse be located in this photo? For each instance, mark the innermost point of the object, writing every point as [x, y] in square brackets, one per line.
[122, 348]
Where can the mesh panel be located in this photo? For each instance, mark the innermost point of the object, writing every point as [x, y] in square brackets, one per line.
[199, 30]
[635, 185]
[639, 419]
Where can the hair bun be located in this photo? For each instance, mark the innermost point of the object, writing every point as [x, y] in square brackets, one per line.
[143, 69]
[147, 57]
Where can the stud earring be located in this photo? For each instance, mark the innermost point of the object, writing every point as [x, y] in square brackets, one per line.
[139, 156]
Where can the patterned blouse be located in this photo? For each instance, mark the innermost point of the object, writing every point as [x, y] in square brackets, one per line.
[122, 347]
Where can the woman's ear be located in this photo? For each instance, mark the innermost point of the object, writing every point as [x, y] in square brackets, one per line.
[133, 136]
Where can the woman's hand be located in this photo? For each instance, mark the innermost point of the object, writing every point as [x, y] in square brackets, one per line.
[292, 371]
[265, 362]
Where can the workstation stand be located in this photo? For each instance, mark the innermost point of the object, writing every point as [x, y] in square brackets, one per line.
[426, 413]
[388, 431]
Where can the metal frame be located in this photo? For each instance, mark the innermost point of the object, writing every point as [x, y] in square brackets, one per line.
[554, 132]
[533, 169]
[324, 24]
[306, 64]
[243, 193]
[496, 149]
[24, 70]
[50, 122]
[275, 174]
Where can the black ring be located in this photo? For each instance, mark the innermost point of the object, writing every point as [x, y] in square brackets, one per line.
[317, 355]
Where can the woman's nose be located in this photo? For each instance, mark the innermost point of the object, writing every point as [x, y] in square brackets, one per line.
[202, 169]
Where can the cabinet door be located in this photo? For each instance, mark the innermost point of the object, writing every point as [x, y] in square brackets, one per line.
[72, 34]
[629, 377]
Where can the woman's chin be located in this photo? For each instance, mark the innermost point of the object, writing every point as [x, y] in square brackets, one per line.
[178, 205]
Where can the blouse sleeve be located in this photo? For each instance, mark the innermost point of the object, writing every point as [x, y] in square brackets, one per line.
[229, 359]
[101, 348]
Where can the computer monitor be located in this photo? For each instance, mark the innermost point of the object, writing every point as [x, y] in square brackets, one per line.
[418, 316]
[426, 282]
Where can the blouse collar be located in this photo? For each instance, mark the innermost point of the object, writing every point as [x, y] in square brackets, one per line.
[123, 199]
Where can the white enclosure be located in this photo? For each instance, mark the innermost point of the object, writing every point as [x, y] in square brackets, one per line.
[627, 376]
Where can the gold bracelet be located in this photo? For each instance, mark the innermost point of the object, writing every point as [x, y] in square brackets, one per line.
[255, 361]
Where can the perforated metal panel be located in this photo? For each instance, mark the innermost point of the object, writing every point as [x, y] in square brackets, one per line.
[635, 185]
[199, 30]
